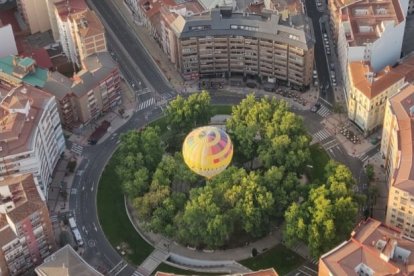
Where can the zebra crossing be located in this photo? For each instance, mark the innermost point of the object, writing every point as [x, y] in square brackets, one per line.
[136, 273]
[320, 136]
[323, 111]
[146, 104]
[364, 157]
[78, 149]
[54, 218]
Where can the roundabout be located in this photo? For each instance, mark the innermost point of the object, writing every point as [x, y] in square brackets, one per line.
[142, 247]
[118, 224]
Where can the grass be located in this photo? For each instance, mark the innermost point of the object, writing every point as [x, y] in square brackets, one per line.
[319, 160]
[221, 109]
[114, 220]
[279, 257]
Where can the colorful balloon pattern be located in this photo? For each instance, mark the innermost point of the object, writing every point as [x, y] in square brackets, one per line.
[207, 151]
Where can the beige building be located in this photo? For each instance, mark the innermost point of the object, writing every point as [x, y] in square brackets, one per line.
[35, 14]
[92, 91]
[63, 12]
[66, 261]
[26, 234]
[224, 43]
[397, 150]
[369, 91]
[370, 31]
[88, 33]
[373, 249]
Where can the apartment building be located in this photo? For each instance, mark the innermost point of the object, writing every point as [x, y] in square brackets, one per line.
[368, 30]
[92, 91]
[224, 43]
[66, 261]
[397, 151]
[31, 137]
[88, 33]
[8, 43]
[15, 71]
[26, 234]
[369, 91]
[64, 11]
[373, 249]
[35, 15]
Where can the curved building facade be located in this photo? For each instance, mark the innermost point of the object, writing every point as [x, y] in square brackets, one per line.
[224, 43]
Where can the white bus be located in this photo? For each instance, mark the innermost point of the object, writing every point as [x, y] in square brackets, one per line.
[78, 237]
[72, 223]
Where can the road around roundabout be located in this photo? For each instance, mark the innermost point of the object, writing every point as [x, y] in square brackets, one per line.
[98, 251]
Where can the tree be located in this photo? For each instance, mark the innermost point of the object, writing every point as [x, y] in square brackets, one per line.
[369, 171]
[184, 114]
[268, 130]
[329, 212]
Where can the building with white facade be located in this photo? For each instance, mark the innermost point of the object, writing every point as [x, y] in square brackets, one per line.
[81, 33]
[31, 137]
[8, 43]
[368, 30]
[62, 12]
[35, 15]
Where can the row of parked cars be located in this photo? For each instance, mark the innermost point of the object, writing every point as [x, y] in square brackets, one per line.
[326, 43]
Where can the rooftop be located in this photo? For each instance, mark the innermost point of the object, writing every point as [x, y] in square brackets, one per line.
[402, 107]
[372, 84]
[66, 262]
[296, 31]
[20, 113]
[67, 7]
[26, 200]
[373, 249]
[368, 18]
[97, 67]
[20, 70]
[89, 24]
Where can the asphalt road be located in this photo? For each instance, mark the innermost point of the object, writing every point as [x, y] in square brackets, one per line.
[135, 54]
[320, 57]
[138, 66]
[98, 251]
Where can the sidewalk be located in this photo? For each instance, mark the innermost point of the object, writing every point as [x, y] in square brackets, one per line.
[164, 64]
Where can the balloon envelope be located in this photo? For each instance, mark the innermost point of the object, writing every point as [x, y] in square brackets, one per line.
[207, 151]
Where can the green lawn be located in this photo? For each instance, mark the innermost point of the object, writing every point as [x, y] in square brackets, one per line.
[221, 109]
[319, 160]
[279, 257]
[114, 220]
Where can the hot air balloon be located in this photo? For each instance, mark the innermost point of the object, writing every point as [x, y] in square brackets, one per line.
[207, 151]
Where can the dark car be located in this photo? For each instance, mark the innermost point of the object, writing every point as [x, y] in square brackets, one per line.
[316, 107]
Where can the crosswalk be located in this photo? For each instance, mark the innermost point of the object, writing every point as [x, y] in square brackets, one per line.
[54, 218]
[136, 273]
[306, 271]
[146, 104]
[76, 148]
[364, 157]
[324, 111]
[320, 136]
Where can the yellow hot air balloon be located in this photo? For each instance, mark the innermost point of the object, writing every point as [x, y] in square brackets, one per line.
[207, 151]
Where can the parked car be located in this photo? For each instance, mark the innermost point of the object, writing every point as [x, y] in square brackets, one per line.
[316, 107]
